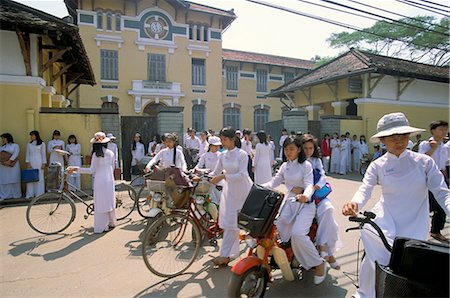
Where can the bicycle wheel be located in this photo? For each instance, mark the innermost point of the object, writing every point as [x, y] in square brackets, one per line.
[171, 245]
[144, 201]
[51, 213]
[125, 200]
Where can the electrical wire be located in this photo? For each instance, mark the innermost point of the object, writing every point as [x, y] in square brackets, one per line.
[387, 18]
[434, 3]
[397, 14]
[333, 22]
[428, 6]
[418, 6]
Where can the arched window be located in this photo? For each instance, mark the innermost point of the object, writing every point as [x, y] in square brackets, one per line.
[118, 22]
[260, 117]
[99, 20]
[109, 21]
[199, 117]
[232, 116]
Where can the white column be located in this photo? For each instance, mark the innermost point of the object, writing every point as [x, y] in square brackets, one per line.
[313, 112]
[339, 107]
[137, 103]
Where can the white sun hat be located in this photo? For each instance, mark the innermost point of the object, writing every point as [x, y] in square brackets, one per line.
[99, 137]
[393, 124]
[110, 136]
[214, 141]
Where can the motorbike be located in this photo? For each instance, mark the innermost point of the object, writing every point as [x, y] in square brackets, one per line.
[251, 274]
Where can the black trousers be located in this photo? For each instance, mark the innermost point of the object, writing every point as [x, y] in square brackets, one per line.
[438, 219]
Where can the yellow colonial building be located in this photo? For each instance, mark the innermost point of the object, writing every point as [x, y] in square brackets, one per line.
[160, 63]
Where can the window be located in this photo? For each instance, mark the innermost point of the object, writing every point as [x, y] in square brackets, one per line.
[156, 67]
[261, 80]
[109, 65]
[118, 22]
[191, 36]
[198, 72]
[261, 117]
[232, 77]
[109, 21]
[199, 37]
[205, 34]
[288, 76]
[232, 117]
[99, 20]
[199, 117]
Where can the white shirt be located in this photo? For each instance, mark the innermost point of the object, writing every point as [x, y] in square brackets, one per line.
[440, 155]
[165, 157]
[246, 146]
[294, 174]
[150, 145]
[364, 148]
[316, 163]
[137, 154]
[75, 154]
[55, 157]
[113, 147]
[208, 161]
[403, 207]
[203, 147]
[192, 143]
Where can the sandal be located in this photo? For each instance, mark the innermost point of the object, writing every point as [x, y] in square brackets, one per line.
[221, 261]
[335, 265]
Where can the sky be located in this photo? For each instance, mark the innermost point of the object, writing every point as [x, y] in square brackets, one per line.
[266, 30]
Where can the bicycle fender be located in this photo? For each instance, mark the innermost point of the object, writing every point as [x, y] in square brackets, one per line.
[153, 212]
[244, 264]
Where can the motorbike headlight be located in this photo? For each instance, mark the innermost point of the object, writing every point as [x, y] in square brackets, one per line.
[157, 197]
[199, 200]
[250, 241]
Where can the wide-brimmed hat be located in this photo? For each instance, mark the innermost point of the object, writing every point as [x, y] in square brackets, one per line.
[214, 141]
[99, 137]
[111, 136]
[394, 124]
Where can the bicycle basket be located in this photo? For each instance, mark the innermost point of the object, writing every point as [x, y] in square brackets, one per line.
[178, 196]
[54, 176]
[203, 188]
[156, 186]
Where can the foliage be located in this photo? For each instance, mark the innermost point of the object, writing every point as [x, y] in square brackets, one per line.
[417, 42]
[318, 60]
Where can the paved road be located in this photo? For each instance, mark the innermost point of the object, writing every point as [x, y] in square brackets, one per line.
[80, 263]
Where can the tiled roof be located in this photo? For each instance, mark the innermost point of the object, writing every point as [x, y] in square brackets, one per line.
[14, 16]
[212, 10]
[241, 56]
[356, 62]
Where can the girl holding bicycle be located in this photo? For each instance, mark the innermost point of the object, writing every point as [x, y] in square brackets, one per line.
[296, 213]
[403, 209]
[328, 230]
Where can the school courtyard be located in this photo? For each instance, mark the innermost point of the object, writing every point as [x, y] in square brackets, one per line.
[78, 263]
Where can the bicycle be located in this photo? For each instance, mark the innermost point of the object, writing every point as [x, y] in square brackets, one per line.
[396, 279]
[364, 164]
[172, 243]
[54, 211]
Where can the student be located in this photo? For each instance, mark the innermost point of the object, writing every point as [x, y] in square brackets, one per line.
[296, 213]
[262, 162]
[363, 146]
[102, 165]
[284, 135]
[349, 152]
[10, 169]
[335, 145]
[137, 153]
[325, 148]
[36, 159]
[343, 154]
[376, 152]
[356, 149]
[328, 231]
[208, 162]
[247, 146]
[232, 169]
[74, 159]
[203, 143]
[113, 147]
[56, 143]
[169, 156]
[436, 148]
[405, 178]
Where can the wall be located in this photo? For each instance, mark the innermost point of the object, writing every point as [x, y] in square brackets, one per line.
[11, 55]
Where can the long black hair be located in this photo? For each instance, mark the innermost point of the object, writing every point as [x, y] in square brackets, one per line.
[72, 137]
[134, 141]
[262, 137]
[8, 137]
[297, 141]
[97, 148]
[310, 138]
[38, 137]
[229, 132]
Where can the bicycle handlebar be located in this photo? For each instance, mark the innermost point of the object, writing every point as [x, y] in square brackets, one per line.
[367, 218]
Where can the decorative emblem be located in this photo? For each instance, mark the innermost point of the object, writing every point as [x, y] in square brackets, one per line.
[156, 27]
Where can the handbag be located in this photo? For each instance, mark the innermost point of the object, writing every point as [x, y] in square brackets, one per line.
[323, 192]
[5, 156]
[29, 175]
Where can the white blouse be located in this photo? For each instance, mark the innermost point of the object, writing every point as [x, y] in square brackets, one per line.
[192, 143]
[208, 161]
[165, 157]
[405, 181]
[137, 154]
[246, 146]
[316, 163]
[55, 157]
[294, 174]
[440, 155]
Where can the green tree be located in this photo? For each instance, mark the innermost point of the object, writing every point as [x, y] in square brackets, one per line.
[426, 40]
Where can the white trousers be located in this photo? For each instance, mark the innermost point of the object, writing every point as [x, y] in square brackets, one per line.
[35, 189]
[10, 191]
[297, 230]
[326, 163]
[230, 243]
[375, 251]
[343, 164]
[104, 220]
[356, 160]
[328, 230]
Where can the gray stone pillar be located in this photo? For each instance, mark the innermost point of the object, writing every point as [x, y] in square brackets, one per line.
[295, 120]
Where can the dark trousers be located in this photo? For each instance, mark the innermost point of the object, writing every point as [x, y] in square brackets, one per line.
[250, 168]
[438, 219]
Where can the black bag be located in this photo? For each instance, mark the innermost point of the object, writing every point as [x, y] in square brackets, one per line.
[135, 170]
[421, 261]
[259, 211]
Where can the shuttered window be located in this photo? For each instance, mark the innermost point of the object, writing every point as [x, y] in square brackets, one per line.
[156, 67]
[261, 117]
[198, 72]
[288, 76]
[232, 77]
[109, 65]
[199, 117]
[261, 80]
[232, 117]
